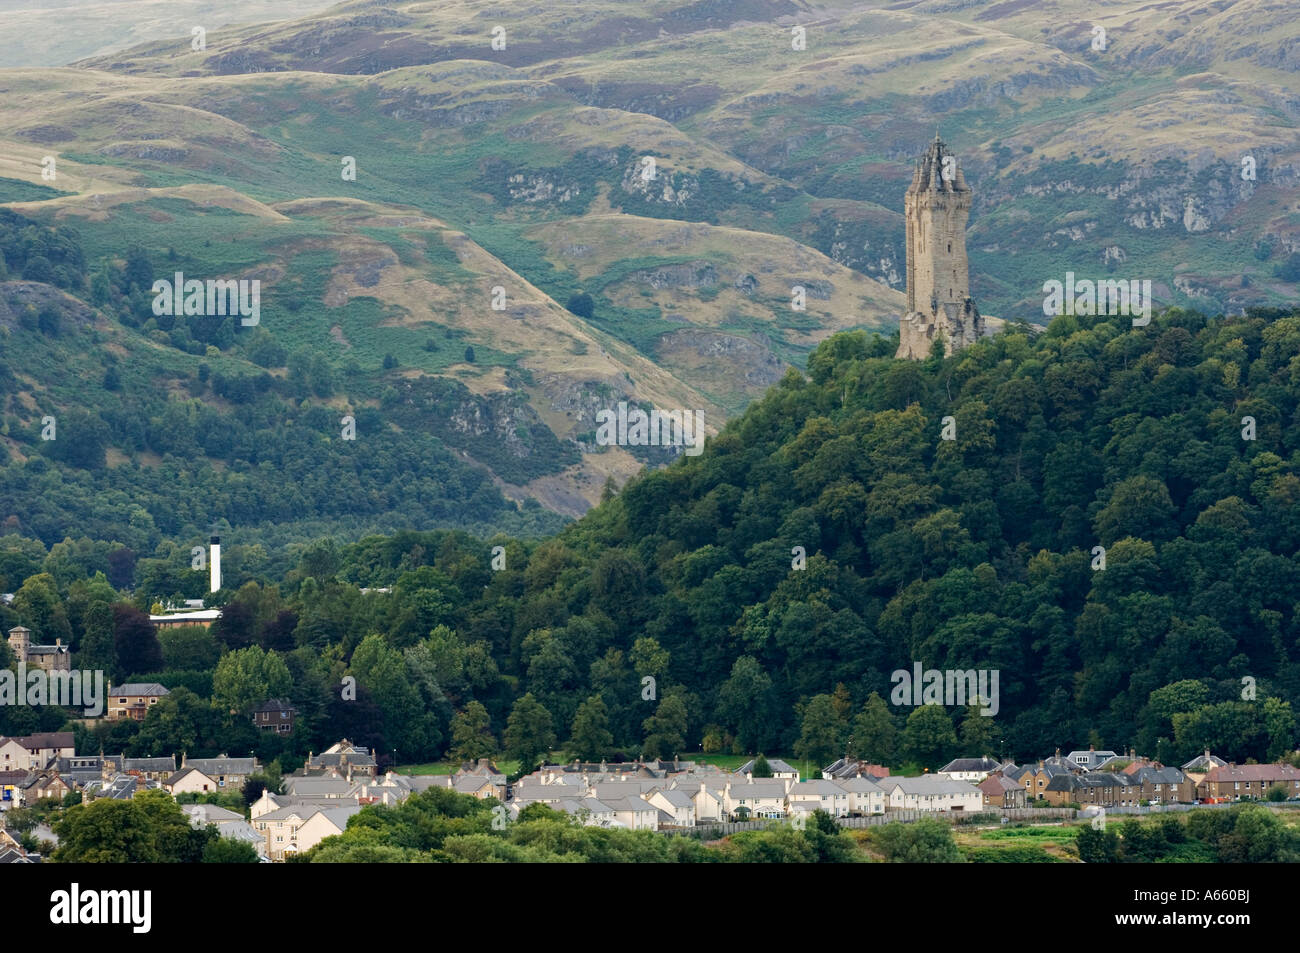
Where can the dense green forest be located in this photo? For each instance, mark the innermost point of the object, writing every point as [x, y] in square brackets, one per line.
[975, 552]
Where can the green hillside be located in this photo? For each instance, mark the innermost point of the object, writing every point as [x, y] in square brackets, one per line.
[977, 552]
[782, 136]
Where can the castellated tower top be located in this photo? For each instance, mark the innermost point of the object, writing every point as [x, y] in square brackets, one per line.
[939, 304]
[933, 175]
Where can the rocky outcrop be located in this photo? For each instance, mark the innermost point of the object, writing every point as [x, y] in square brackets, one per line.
[15, 296]
[692, 274]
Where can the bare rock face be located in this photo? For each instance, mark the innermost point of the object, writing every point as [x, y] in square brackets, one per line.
[692, 274]
[15, 296]
[741, 358]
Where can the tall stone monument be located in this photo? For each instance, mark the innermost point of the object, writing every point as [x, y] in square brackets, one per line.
[939, 304]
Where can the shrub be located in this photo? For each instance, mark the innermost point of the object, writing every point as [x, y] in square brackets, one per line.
[581, 304]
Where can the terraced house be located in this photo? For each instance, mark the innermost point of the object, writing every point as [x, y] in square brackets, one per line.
[1101, 788]
[931, 793]
[1232, 781]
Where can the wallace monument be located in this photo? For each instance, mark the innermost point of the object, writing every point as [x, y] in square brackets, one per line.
[938, 276]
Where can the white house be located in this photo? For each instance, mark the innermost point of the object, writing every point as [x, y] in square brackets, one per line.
[613, 790]
[190, 781]
[634, 813]
[762, 798]
[932, 793]
[822, 795]
[326, 822]
[301, 827]
[267, 803]
[973, 770]
[865, 795]
[280, 828]
[14, 757]
[677, 804]
[228, 824]
[709, 804]
[593, 812]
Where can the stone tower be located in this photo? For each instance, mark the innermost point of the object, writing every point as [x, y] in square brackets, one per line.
[938, 275]
[20, 640]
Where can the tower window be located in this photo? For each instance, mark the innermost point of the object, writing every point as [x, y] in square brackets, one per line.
[950, 246]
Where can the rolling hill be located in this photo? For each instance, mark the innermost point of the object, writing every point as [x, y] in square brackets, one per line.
[684, 164]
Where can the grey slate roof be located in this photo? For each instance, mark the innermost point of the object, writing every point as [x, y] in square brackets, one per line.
[1001, 782]
[149, 764]
[776, 764]
[608, 789]
[243, 831]
[218, 766]
[818, 787]
[340, 760]
[760, 788]
[296, 786]
[851, 768]
[422, 782]
[1204, 762]
[1094, 779]
[470, 783]
[1084, 758]
[203, 814]
[120, 788]
[674, 797]
[297, 809]
[138, 688]
[928, 784]
[338, 816]
[858, 785]
[628, 804]
[971, 764]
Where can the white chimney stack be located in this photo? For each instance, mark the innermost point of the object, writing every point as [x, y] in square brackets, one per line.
[215, 563]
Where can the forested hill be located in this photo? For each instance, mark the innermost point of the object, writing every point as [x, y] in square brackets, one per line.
[972, 553]
[975, 552]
